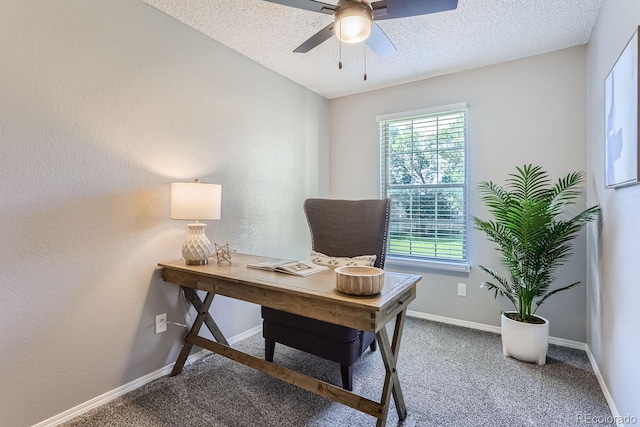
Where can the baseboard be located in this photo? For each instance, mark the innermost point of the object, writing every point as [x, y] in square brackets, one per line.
[489, 328]
[568, 343]
[612, 406]
[122, 390]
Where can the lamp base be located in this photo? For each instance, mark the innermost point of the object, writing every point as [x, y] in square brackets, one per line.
[197, 249]
[196, 262]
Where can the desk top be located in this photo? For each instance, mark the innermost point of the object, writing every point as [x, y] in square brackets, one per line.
[295, 294]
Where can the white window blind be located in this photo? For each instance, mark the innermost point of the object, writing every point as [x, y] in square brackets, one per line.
[424, 172]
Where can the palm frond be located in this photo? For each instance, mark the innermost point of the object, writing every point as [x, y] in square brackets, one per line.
[530, 182]
[567, 189]
[555, 291]
[504, 289]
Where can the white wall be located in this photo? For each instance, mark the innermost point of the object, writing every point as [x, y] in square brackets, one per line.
[102, 105]
[613, 249]
[526, 111]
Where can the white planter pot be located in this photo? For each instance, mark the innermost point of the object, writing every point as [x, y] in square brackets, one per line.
[528, 342]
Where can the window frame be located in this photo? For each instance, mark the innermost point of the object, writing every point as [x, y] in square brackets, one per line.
[417, 261]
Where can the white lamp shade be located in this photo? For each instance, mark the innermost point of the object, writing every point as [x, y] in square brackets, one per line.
[195, 200]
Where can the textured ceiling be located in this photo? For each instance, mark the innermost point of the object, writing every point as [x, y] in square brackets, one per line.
[477, 33]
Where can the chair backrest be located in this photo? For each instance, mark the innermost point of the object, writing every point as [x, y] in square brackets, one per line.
[348, 228]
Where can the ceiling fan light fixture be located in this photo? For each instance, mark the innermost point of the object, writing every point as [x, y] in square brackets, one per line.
[353, 23]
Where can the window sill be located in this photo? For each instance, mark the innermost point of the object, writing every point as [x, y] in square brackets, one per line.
[432, 265]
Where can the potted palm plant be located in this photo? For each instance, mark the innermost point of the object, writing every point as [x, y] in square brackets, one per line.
[534, 231]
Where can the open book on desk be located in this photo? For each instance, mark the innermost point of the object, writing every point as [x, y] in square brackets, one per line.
[297, 268]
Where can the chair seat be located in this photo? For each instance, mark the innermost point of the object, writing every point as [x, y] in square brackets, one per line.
[333, 342]
[312, 326]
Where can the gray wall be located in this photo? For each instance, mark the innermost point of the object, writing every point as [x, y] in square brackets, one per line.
[102, 105]
[613, 249]
[526, 111]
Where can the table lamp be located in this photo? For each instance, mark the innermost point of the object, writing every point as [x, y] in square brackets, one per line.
[196, 201]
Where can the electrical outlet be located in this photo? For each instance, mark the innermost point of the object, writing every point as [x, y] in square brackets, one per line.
[161, 323]
[462, 289]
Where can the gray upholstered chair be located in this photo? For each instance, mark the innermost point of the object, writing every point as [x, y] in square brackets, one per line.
[339, 228]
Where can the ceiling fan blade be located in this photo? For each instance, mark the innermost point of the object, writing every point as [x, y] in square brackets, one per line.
[380, 43]
[312, 5]
[315, 40]
[391, 9]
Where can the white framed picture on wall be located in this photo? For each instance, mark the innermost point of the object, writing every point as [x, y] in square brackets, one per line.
[621, 119]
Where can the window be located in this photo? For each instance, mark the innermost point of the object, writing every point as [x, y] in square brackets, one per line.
[424, 172]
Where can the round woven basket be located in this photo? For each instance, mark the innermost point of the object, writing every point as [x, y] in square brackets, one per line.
[355, 280]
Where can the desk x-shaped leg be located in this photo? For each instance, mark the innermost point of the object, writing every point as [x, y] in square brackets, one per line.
[391, 382]
[203, 317]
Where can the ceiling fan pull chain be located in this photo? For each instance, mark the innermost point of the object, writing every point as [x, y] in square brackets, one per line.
[340, 43]
[365, 61]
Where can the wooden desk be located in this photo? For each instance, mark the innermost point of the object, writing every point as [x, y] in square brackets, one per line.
[313, 296]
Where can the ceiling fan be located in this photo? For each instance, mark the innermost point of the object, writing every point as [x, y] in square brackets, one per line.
[354, 20]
